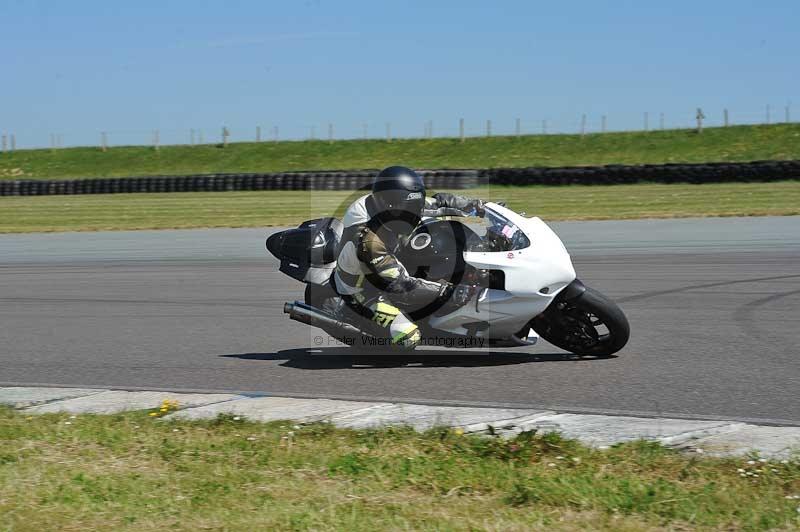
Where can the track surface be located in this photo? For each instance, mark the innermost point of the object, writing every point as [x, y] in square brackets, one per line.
[713, 306]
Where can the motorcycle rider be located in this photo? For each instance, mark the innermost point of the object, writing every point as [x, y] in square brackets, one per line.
[369, 276]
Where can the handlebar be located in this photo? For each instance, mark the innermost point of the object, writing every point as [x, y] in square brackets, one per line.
[444, 211]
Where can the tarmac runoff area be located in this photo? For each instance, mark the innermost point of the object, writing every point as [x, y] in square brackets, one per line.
[711, 437]
[713, 306]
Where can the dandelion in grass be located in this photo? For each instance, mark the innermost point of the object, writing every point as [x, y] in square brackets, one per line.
[166, 407]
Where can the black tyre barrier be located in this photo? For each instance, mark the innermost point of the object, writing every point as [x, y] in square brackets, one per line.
[755, 171]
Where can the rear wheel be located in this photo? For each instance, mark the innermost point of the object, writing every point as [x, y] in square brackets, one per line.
[315, 295]
[324, 298]
[589, 324]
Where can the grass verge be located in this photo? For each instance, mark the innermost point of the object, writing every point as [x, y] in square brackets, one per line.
[257, 209]
[137, 472]
[740, 143]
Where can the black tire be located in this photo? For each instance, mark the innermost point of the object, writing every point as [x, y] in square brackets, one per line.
[590, 324]
[315, 295]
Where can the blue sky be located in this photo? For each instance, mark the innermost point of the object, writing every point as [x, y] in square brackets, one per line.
[78, 68]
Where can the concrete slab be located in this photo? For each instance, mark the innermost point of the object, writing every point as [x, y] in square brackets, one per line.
[608, 430]
[768, 442]
[22, 397]
[713, 437]
[111, 401]
[423, 417]
[275, 408]
[508, 427]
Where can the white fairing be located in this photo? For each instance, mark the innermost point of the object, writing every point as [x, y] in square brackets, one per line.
[533, 277]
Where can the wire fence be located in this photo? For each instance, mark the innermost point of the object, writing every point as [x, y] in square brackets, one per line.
[388, 131]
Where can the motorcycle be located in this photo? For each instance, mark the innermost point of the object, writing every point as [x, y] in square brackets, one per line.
[524, 283]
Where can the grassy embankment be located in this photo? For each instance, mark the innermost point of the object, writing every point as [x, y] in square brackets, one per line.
[253, 209]
[137, 472]
[257, 209]
[740, 143]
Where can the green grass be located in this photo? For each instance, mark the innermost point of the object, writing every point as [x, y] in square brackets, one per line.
[257, 209]
[740, 143]
[135, 472]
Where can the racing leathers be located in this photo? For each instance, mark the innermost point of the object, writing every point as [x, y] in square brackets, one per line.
[375, 284]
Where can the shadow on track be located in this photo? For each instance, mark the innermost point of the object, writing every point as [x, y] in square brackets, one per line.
[345, 358]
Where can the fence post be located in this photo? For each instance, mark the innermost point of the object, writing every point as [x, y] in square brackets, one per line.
[488, 128]
[583, 125]
[461, 129]
[518, 128]
[225, 134]
[258, 133]
[700, 116]
[661, 121]
[156, 140]
[104, 141]
[388, 132]
[646, 121]
[330, 133]
[725, 117]
[603, 124]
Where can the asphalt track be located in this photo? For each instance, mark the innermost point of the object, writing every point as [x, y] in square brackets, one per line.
[713, 306]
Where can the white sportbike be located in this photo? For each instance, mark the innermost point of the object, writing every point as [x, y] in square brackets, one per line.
[524, 282]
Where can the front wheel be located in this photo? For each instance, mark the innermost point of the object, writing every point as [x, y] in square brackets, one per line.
[589, 324]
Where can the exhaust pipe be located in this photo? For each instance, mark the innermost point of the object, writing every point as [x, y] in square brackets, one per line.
[317, 318]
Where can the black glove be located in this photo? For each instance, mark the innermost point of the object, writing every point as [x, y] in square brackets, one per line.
[478, 206]
[454, 297]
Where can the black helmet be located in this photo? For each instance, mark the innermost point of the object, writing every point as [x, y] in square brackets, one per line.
[399, 194]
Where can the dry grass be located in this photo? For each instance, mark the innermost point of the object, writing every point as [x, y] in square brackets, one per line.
[136, 472]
